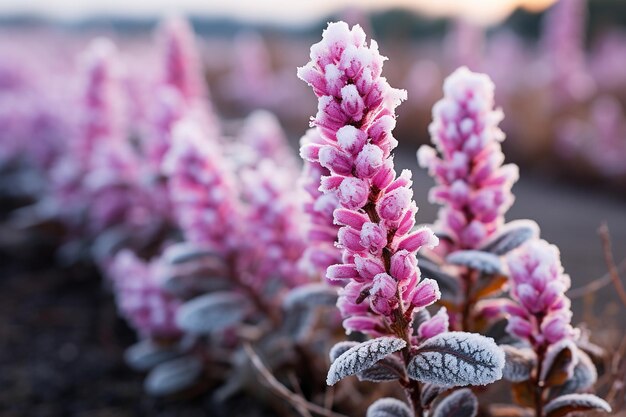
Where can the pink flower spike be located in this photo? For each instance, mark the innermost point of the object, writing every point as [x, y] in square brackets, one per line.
[355, 117]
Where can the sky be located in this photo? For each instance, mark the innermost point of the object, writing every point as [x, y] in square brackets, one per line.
[293, 12]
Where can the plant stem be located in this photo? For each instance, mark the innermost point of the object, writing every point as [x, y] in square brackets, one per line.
[538, 400]
[400, 326]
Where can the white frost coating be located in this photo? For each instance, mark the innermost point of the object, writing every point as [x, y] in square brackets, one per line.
[460, 403]
[362, 356]
[389, 407]
[511, 236]
[212, 312]
[340, 348]
[173, 376]
[387, 369]
[575, 402]
[185, 252]
[457, 359]
[519, 363]
[485, 262]
[310, 296]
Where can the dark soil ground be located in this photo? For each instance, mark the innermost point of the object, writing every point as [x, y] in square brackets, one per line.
[62, 344]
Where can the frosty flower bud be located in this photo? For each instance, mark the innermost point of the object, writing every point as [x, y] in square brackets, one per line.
[383, 294]
[368, 267]
[336, 161]
[353, 193]
[393, 205]
[346, 217]
[352, 103]
[350, 238]
[368, 161]
[351, 139]
[556, 327]
[403, 265]
[519, 327]
[421, 237]
[373, 237]
[425, 293]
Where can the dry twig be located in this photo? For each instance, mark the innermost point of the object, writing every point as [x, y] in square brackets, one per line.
[610, 263]
[298, 402]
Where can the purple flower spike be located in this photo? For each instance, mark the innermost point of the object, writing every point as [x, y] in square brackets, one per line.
[538, 284]
[473, 186]
[204, 196]
[182, 66]
[140, 298]
[353, 144]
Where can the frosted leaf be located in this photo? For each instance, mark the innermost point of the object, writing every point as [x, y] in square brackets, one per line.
[146, 354]
[186, 252]
[510, 236]
[583, 377]
[460, 403]
[485, 262]
[457, 359]
[310, 296]
[340, 348]
[109, 242]
[559, 362]
[362, 356]
[571, 403]
[430, 392]
[387, 369]
[389, 407]
[185, 284]
[212, 312]
[519, 363]
[300, 324]
[174, 376]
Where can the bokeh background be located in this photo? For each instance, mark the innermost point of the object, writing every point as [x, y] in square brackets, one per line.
[560, 79]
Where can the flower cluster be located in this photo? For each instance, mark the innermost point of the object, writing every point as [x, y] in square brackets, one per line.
[542, 312]
[275, 210]
[322, 232]
[204, 196]
[377, 214]
[100, 125]
[563, 41]
[473, 186]
[140, 298]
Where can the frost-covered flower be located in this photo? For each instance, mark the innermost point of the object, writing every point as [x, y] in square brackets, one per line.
[182, 67]
[277, 242]
[204, 196]
[140, 298]
[563, 42]
[100, 120]
[473, 186]
[322, 232]
[179, 92]
[542, 312]
[600, 140]
[356, 114]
